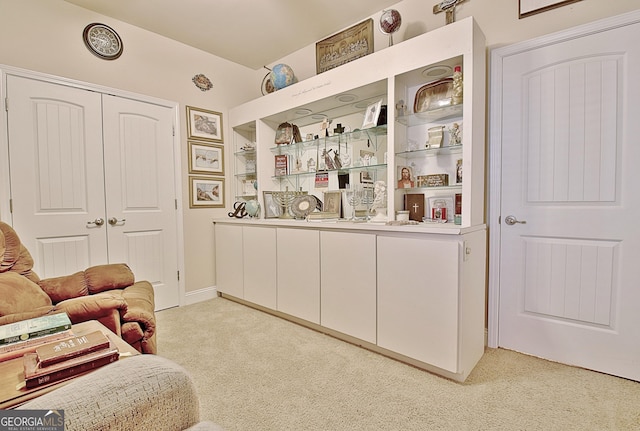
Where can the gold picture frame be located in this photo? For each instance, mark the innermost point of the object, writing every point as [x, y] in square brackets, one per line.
[204, 125]
[206, 158]
[346, 46]
[531, 7]
[206, 192]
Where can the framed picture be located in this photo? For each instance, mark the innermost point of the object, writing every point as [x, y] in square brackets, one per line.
[436, 206]
[371, 115]
[405, 177]
[206, 192]
[271, 207]
[346, 46]
[332, 202]
[206, 158]
[204, 125]
[531, 7]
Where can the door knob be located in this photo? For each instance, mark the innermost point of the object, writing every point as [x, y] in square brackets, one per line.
[511, 220]
[114, 221]
[96, 222]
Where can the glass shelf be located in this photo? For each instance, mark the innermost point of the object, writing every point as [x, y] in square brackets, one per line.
[422, 189]
[440, 114]
[424, 152]
[356, 135]
[341, 170]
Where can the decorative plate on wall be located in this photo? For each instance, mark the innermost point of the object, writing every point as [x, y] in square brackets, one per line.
[102, 41]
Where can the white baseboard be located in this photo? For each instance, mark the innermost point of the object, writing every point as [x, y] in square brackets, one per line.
[200, 295]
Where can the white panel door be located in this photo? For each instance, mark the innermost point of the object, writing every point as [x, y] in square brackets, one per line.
[140, 193]
[57, 178]
[569, 276]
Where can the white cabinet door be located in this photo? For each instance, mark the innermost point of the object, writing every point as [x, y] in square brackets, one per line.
[418, 295]
[259, 252]
[348, 283]
[299, 273]
[229, 260]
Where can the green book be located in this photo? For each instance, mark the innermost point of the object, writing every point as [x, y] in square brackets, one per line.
[36, 327]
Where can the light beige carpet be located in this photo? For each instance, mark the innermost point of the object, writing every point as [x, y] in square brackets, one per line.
[258, 372]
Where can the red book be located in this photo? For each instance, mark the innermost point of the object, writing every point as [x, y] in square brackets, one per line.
[72, 347]
[282, 164]
[35, 376]
[16, 350]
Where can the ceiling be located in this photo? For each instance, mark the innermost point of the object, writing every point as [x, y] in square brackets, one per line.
[253, 33]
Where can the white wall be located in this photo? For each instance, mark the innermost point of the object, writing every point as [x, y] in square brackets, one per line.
[498, 19]
[45, 36]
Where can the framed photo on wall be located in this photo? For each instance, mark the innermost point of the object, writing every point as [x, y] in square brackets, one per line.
[204, 125]
[206, 158]
[531, 7]
[206, 192]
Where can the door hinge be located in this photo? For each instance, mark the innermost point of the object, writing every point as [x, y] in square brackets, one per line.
[173, 131]
[175, 202]
[499, 219]
[178, 275]
[11, 206]
[6, 104]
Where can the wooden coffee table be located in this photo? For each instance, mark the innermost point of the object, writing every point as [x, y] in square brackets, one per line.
[12, 371]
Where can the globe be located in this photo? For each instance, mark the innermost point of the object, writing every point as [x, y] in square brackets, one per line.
[390, 21]
[282, 76]
[253, 208]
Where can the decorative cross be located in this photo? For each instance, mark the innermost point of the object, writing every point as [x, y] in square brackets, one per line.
[448, 6]
[339, 129]
[415, 208]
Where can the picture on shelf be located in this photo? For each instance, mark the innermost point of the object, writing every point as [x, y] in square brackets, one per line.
[405, 177]
[371, 115]
[271, 207]
[459, 171]
[206, 192]
[441, 208]
[203, 124]
[206, 158]
[365, 177]
[332, 202]
[346, 46]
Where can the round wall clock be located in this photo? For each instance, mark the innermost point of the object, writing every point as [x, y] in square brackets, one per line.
[102, 41]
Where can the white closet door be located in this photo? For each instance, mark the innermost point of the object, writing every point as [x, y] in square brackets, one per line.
[140, 193]
[57, 178]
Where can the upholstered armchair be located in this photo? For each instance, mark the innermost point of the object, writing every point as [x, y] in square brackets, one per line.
[107, 293]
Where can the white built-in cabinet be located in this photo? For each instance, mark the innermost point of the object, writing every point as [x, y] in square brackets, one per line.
[412, 292]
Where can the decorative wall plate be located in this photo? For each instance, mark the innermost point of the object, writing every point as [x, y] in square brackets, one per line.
[202, 82]
[302, 206]
[102, 41]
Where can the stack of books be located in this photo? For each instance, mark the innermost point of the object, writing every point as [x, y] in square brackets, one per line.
[67, 358]
[25, 336]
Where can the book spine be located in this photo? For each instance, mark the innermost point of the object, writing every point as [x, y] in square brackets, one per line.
[56, 376]
[15, 350]
[34, 334]
[45, 362]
